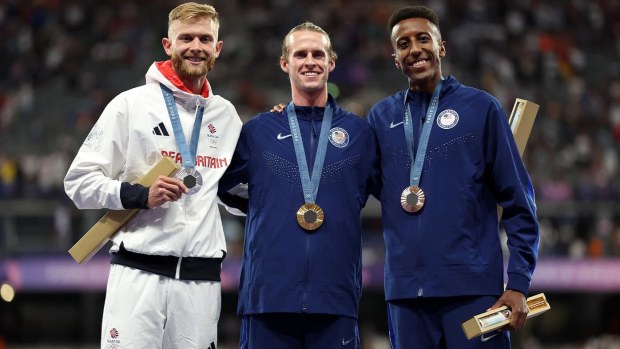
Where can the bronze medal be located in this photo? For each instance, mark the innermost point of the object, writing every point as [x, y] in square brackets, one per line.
[412, 199]
[310, 216]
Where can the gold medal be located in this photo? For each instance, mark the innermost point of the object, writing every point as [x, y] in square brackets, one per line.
[310, 216]
[412, 199]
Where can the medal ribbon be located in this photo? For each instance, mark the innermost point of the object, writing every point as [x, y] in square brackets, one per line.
[416, 166]
[310, 184]
[188, 154]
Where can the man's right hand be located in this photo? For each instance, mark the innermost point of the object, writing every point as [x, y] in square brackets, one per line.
[165, 189]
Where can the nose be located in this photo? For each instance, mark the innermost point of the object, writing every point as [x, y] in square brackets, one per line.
[309, 60]
[195, 44]
[415, 48]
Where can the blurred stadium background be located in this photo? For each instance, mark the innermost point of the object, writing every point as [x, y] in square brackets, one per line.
[61, 61]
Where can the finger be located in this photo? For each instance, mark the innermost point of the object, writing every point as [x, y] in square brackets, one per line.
[278, 108]
[168, 193]
[182, 188]
[178, 183]
[174, 184]
[174, 187]
[519, 319]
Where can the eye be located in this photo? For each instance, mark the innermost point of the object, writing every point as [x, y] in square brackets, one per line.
[425, 38]
[402, 44]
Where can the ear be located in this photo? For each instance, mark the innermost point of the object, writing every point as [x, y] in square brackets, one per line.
[332, 65]
[167, 44]
[284, 65]
[396, 63]
[442, 49]
[218, 48]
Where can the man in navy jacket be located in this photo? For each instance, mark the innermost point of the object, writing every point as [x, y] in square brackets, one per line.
[448, 158]
[307, 170]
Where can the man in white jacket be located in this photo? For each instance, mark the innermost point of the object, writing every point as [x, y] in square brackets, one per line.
[164, 284]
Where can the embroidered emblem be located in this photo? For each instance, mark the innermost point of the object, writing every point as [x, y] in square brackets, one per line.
[94, 138]
[339, 137]
[447, 119]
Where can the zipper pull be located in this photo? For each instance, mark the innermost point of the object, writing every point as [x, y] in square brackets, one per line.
[197, 107]
[313, 127]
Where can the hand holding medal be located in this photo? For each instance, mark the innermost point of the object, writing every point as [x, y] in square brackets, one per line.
[165, 189]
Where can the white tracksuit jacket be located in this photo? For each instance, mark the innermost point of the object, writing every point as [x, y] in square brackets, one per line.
[131, 136]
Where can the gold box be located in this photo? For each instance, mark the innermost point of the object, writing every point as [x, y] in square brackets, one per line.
[521, 121]
[113, 220]
[497, 318]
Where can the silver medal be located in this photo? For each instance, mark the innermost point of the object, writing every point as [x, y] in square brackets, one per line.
[191, 178]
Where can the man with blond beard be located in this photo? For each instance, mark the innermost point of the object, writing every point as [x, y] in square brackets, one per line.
[164, 284]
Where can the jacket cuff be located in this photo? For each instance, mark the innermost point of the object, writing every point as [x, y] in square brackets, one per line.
[134, 195]
[518, 282]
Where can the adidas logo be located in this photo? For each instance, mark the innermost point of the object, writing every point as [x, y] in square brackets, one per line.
[160, 130]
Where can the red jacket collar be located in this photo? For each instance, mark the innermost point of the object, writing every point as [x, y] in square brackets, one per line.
[166, 69]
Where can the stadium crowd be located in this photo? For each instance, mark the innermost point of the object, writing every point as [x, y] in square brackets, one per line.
[65, 60]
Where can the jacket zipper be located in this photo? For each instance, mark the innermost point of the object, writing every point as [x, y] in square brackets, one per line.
[419, 233]
[304, 307]
[178, 269]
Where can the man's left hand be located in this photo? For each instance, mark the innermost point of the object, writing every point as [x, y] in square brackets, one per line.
[278, 108]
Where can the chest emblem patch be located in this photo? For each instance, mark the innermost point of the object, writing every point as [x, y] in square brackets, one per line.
[339, 137]
[447, 119]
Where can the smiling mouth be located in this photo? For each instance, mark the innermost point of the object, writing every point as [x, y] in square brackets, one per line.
[194, 59]
[419, 63]
[310, 73]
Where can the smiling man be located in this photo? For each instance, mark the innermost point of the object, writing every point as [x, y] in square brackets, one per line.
[164, 283]
[448, 158]
[307, 169]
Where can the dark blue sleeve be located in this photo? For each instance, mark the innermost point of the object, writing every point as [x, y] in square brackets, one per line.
[134, 195]
[514, 192]
[374, 184]
[236, 173]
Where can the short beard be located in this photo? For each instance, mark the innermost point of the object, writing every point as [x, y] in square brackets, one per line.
[183, 69]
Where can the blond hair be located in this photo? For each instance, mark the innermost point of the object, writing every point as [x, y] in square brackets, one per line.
[309, 26]
[190, 10]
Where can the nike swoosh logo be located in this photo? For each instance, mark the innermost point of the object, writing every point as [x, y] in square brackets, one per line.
[392, 124]
[346, 342]
[281, 137]
[484, 339]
